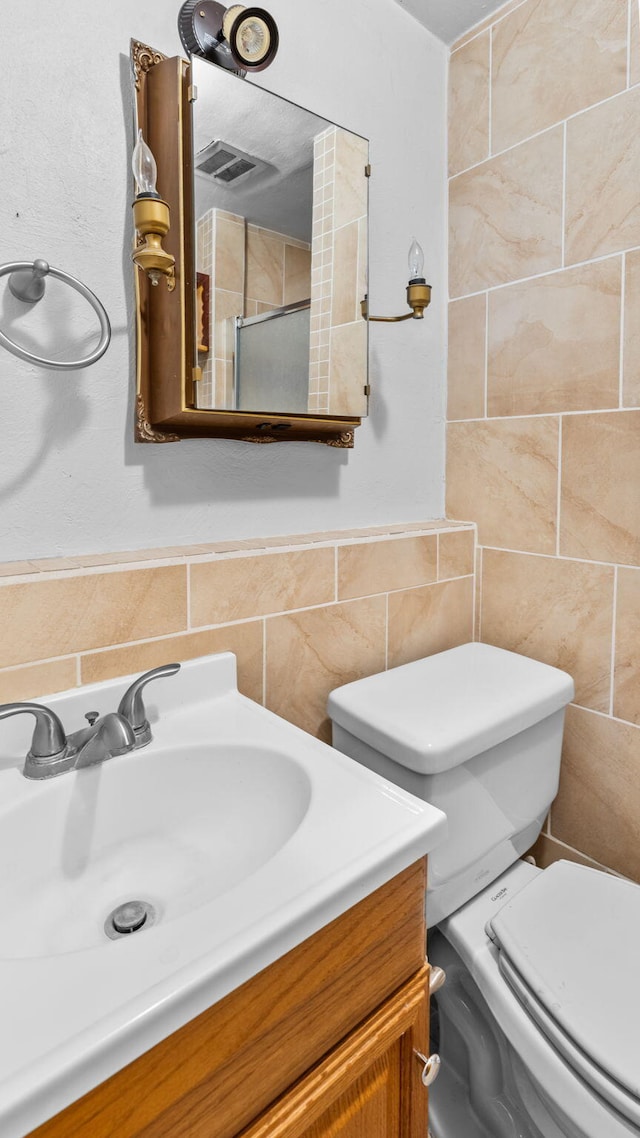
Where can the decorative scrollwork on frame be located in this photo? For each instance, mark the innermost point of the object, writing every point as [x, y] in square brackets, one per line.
[145, 433]
[143, 58]
[345, 440]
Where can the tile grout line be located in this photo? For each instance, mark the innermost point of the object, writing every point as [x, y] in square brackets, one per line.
[386, 631]
[547, 273]
[486, 355]
[561, 557]
[484, 27]
[614, 617]
[491, 91]
[629, 43]
[175, 560]
[563, 220]
[605, 715]
[188, 568]
[508, 149]
[623, 292]
[613, 410]
[543, 130]
[559, 484]
[74, 656]
[480, 619]
[581, 853]
[264, 661]
[475, 608]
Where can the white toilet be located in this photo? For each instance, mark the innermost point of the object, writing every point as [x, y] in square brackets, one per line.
[538, 1024]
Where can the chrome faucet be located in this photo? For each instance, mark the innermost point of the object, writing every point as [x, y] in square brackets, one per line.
[104, 738]
[52, 752]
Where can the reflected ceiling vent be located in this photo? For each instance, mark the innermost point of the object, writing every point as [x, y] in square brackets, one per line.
[227, 164]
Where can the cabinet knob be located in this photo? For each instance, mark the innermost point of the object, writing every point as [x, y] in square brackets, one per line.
[437, 978]
[431, 1068]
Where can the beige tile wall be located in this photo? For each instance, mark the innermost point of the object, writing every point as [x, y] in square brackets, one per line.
[303, 614]
[544, 378]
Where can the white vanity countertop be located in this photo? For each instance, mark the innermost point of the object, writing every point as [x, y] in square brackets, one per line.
[72, 1014]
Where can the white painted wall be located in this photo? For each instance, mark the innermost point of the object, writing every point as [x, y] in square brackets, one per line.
[71, 478]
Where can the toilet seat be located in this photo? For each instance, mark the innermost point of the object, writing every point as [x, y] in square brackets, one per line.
[588, 1006]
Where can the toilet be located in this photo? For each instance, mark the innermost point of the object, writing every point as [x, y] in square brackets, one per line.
[538, 1023]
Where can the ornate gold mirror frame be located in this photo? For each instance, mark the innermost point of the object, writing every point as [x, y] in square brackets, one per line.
[167, 363]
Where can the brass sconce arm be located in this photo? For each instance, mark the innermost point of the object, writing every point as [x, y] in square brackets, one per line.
[418, 298]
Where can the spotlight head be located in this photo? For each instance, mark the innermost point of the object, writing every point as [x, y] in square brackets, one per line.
[238, 38]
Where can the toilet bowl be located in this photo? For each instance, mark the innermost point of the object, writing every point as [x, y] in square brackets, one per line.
[538, 1025]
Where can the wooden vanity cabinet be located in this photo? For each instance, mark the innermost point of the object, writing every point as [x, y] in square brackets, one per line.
[367, 1087]
[318, 1045]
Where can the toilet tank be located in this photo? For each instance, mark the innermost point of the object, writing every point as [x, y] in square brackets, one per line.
[476, 731]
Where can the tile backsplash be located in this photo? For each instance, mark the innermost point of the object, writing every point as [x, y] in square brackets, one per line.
[544, 378]
[303, 614]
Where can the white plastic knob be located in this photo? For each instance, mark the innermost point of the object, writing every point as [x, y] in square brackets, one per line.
[431, 1068]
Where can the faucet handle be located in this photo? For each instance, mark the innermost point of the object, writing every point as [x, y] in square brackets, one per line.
[131, 705]
[48, 752]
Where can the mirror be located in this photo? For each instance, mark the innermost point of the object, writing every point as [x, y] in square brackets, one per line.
[275, 219]
[280, 207]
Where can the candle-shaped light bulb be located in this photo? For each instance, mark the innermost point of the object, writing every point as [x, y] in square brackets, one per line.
[144, 168]
[416, 261]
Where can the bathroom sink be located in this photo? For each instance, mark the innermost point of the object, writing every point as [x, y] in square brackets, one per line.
[239, 835]
[174, 828]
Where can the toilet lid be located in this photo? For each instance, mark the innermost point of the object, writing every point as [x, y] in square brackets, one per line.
[571, 939]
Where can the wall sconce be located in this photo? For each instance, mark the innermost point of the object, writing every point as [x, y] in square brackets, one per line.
[151, 218]
[418, 291]
[239, 38]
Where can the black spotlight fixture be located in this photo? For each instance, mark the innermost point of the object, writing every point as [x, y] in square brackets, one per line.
[238, 38]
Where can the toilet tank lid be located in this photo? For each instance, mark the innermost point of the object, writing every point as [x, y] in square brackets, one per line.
[436, 713]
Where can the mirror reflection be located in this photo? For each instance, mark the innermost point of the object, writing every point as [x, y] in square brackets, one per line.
[281, 253]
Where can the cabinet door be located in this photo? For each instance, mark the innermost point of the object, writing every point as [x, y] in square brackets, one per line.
[367, 1087]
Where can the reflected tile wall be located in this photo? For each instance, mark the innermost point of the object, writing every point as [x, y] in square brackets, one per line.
[338, 345]
[251, 270]
[322, 253]
[205, 263]
[544, 378]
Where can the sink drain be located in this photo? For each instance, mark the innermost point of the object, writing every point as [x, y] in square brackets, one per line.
[129, 918]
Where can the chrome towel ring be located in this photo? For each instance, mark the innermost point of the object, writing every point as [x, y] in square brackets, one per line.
[27, 283]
